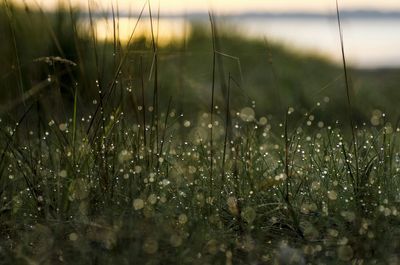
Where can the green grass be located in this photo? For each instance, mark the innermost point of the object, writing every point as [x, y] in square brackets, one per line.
[100, 164]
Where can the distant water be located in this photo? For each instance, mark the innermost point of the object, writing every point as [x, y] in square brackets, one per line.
[370, 42]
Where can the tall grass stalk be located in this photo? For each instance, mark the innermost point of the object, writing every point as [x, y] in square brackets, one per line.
[227, 127]
[16, 52]
[211, 125]
[155, 115]
[358, 179]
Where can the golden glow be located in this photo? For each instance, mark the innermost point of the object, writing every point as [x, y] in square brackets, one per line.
[166, 30]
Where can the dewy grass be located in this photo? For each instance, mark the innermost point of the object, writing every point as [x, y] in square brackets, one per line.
[151, 185]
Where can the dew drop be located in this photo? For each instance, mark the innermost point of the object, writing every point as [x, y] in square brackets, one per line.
[138, 204]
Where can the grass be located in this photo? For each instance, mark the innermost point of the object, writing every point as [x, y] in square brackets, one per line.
[104, 165]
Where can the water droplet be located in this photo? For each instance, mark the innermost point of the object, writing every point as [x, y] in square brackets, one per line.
[138, 169]
[63, 173]
[175, 240]
[124, 156]
[182, 218]
[165, 182]
[63, 127]
[249, 214]
[332, 195]
[150, 246]
[138, 204]
[345, 253]
[152, 199]
[73, 236]
[263, 121]
[247, 114]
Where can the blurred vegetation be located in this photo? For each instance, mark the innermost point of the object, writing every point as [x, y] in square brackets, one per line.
[278, 78]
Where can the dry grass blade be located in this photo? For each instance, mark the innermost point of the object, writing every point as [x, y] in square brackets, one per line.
[212, 22]
[20, 80]
[348, 90]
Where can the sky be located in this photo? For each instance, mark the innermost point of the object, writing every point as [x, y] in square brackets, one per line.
[230, 6]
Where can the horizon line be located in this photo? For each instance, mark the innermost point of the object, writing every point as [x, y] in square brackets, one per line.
[346, 13]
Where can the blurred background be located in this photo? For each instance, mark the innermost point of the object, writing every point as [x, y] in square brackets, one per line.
[280, 54]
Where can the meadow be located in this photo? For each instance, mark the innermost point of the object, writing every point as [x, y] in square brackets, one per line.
[214, 149]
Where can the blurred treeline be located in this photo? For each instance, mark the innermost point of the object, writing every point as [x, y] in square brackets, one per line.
[50, 58]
